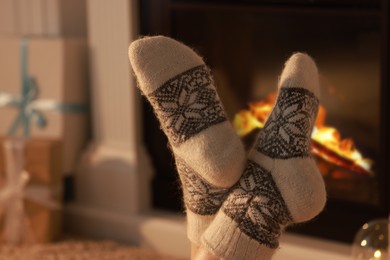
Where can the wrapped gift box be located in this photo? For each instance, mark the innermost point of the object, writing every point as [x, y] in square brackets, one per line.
[43, 17]
[59, 69]
[43, 163]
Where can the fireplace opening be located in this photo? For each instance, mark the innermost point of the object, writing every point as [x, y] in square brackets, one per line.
[246, 45]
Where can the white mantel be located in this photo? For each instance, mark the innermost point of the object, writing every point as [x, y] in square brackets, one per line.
[114, 172]
[113, 175]
[112, 184]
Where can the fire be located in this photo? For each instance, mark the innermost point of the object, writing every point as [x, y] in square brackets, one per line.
[326, 141]
[247, 120]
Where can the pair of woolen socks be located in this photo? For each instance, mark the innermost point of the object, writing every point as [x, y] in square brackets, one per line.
[237, 204]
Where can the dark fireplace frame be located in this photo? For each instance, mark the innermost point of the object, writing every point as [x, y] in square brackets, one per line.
[341, 219]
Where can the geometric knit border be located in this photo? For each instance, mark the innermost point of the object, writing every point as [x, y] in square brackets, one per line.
[200, 197]
[187, 104]
[287, 132]
[257, 206]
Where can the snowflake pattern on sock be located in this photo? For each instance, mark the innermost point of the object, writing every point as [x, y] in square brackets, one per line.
[200, 196]
[187, 104]
[287, 132]
[257, 206]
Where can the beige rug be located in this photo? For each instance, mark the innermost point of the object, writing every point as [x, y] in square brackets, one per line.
[78, 250]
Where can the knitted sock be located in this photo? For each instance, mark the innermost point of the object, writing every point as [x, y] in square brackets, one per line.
[281, 184]
[209, 155]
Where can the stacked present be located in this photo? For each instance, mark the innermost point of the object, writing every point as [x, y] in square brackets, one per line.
[43, 17]
[30, 190]
[43, 128]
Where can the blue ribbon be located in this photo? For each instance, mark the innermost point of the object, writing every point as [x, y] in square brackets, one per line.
[29, 107]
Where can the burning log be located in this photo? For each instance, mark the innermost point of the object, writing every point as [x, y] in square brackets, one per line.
[331, 156]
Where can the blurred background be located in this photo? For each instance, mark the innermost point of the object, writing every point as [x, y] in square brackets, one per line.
[92, 145]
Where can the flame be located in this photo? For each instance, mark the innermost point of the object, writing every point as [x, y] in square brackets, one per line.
[328, 137]
[247, 120]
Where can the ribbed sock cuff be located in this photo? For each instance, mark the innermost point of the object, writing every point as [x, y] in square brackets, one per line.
[225, 240]
[196, 226]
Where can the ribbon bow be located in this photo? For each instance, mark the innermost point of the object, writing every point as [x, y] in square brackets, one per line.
[29, 107]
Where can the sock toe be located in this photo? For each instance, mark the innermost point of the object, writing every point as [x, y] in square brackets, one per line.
[157, 59]
[300, 71]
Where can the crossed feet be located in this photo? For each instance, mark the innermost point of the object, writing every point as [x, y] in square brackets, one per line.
[237, 204]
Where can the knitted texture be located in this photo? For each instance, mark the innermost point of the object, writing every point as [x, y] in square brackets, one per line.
[281, 184]
[187, 104]
[257, 206]
[200, 197]
[209, 155]
[287, 131]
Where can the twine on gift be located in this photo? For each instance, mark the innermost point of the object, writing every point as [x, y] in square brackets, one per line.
[17, 227]
[11, 201]
[30, 108]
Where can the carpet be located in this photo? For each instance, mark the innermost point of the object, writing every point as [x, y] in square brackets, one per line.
[79, 250]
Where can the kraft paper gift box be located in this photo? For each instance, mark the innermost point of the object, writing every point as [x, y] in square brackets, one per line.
[43, 18]
[42, 159]
[58, 67]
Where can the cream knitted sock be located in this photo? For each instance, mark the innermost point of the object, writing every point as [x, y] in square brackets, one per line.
[281, 184]
[209, 155]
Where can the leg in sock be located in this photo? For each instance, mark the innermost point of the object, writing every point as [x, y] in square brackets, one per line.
[281, 184]
[209, 155]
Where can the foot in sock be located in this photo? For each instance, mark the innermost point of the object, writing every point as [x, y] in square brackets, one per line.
[281, 184]
[209, 155]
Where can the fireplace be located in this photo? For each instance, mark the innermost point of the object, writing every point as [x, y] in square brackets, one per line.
[245, 45]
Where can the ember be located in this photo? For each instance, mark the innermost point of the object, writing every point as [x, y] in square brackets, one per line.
[326, 141]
